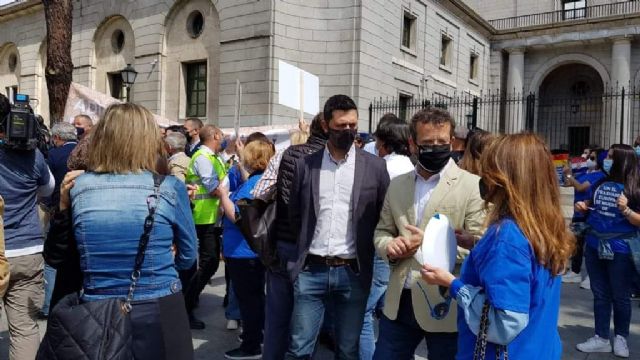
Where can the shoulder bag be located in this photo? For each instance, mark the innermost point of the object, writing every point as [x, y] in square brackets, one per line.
[480, 350]
[98, 329]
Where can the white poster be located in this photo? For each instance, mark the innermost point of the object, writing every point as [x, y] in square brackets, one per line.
[298, 88]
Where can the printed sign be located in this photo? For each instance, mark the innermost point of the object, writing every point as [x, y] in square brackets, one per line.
[86, 101]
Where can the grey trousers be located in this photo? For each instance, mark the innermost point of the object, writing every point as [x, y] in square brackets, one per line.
[22, 302]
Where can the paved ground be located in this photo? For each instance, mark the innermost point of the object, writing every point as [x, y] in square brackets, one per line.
[576, 324]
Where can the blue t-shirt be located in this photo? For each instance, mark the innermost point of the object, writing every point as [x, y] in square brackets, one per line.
[504, 265]
[21, 174]
[234, 244]
[593, 178]
[235, 178]
[606, 218]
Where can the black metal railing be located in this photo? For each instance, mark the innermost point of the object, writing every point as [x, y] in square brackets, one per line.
[562, 16]
[567, 123]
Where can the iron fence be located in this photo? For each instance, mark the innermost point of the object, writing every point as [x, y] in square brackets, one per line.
[567, 123]
[560, 16]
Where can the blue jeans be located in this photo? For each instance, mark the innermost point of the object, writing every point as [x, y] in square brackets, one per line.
[315, 288]
[49, 283]
[375, 302]
[232, 311]
[611, 287]
[399, 338]
[278, 315]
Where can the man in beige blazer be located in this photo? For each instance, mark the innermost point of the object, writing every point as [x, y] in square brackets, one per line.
[175, 143]
[414, 310]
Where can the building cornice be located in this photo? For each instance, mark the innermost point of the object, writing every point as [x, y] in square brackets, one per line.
[21, 8]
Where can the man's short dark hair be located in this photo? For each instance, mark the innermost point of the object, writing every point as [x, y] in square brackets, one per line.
[338, 102]
[197, 122]
[431, 115]
[316, 126]
[394, 133]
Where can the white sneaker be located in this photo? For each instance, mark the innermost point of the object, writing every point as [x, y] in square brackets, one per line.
[232, 325]
[571, 278]
[620, 347]
[595, 345]
[585, 284]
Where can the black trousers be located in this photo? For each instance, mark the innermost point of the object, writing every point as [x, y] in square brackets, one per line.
[208, 262]
[576, 260]
[247, 279]
[161, 329]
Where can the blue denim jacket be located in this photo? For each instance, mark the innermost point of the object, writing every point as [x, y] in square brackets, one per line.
[108, 217]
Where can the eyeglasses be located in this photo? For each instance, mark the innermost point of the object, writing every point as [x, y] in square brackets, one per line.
[441, 310]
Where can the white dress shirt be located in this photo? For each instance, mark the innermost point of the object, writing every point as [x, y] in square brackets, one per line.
[398, 165]
[333, 235]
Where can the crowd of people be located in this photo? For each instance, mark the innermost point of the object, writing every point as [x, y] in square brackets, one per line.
[126, 210]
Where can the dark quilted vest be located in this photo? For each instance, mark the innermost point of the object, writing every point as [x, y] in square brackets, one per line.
[285, 176]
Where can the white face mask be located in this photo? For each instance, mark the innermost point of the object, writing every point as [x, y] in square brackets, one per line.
[591, 164]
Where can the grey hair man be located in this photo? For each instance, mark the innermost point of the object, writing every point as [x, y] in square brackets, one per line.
[175, 143]
[62, 132]
[83, 124]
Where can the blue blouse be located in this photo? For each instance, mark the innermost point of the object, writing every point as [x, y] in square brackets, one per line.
[234, 244]
[523, 295]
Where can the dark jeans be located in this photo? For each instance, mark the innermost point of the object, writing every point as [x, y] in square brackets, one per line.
[161, 329]
[208, 262]
[576, 260]
[399, 338]
[278, 315]
[315, 288]
[247, 279]
[611, 287]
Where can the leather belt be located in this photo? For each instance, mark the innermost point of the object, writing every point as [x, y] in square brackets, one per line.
[330, 261]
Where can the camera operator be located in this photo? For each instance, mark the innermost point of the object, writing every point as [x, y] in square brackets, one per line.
[24, 176]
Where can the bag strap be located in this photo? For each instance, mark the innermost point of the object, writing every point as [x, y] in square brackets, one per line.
[480, 350]
[152, 204]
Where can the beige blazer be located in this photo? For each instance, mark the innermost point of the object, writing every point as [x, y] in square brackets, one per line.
[4, 264]
[178, 166]
[457, 196]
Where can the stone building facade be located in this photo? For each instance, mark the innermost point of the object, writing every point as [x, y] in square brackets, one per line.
[189, 53]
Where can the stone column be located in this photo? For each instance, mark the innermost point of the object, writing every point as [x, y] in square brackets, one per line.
[515, 121]
[620, 78]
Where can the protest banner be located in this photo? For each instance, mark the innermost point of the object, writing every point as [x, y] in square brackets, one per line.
[83, 100]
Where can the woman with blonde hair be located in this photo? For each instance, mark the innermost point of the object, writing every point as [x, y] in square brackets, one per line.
[245, 269]
[508, 293]
[108, 209]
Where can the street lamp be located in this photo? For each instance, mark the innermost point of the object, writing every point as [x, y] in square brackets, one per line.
[129, 75]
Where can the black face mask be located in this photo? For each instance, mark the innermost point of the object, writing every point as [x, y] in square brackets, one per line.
[434, 158]
[457, 156]
[484, 190]
[342, 139]
[79, 131]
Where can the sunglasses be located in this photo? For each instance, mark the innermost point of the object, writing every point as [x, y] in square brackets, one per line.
[441, 310]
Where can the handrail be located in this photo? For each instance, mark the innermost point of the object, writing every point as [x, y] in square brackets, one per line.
[562, 16]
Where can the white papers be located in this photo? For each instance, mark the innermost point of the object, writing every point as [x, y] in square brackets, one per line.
[298, 89]
[439, 246]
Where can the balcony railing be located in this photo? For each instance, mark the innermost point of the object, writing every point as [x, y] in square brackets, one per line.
[568, 15]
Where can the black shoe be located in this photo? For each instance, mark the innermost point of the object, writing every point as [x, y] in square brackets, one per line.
[195, 324]
[240, 354]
